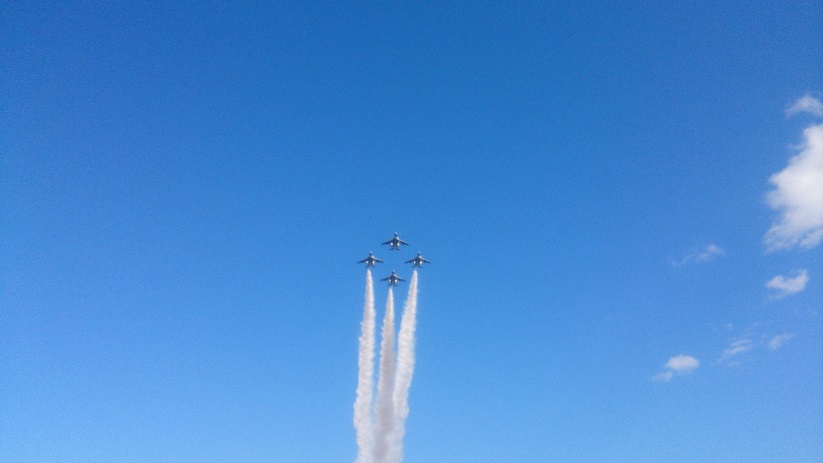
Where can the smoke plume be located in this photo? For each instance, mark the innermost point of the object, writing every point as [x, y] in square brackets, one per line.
[381, 427]
[365, 379]
[405, 369]
[384, 409]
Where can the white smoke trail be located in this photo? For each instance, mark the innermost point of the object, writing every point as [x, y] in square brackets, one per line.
[365, 380]
[384, 409]
[405, 370]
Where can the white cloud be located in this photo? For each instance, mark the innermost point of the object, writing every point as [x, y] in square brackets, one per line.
[777, 341]
[682, 363]
[798, 197]
[678, 365]
[735, 349]
[789, 285]
[806, 104]
[707, 254]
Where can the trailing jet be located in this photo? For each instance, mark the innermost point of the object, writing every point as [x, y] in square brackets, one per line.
[392, 279]
[395, 242]
[370, 260]
[418, 261]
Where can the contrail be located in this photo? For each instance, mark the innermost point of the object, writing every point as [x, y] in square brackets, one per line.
[405, 370]
[384, 409]
[365, 380]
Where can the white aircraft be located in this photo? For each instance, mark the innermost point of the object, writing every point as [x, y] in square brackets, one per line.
[370, 261]
[392, 279]
[395, 243]
[418, 261]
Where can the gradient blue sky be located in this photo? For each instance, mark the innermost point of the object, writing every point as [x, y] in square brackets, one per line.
[185, 188]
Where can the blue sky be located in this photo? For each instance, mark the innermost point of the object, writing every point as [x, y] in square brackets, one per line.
[621, 203]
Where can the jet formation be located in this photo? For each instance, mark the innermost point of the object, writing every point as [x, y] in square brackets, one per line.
[394, 245]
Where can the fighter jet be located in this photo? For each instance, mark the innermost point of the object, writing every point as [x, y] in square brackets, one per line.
[370, 261]
[395, 243]
[418, 261]
[392, 279]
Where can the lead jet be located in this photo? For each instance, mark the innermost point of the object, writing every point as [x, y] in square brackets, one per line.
[393, 279]
[418, 261]
[370, 260]
[395, 243]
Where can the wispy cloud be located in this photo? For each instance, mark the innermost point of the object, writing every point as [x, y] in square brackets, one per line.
[798, 189]
[789, 285]
[806, 104]
[663, 377]
[707, 254]
[682, 363]
[676, 366]
[776, 342]
[737, 348]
